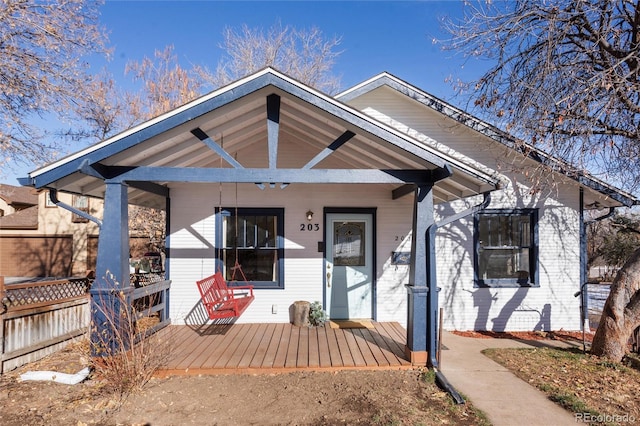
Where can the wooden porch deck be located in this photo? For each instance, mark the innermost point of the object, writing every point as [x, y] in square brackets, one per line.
[269, 348]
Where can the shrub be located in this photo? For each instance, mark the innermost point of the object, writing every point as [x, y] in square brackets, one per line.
[123, 357]
[317, 315]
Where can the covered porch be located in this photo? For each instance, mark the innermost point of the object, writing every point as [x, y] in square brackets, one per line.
[278, 347]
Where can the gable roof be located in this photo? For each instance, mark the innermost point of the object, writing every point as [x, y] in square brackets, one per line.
[614, 196]
[203, 133]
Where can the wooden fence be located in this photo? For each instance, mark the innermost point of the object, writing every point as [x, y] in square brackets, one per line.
[40, 318]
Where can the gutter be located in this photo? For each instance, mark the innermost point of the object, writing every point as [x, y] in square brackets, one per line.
[53, 196]
[432, 296]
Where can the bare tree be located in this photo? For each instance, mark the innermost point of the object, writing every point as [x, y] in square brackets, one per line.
[42, 72]
[107, 109]
[565, 78]
[103, 110]
[622, 240]
[303, 54]
[166, 84]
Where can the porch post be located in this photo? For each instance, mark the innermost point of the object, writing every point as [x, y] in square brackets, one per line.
[110, 293]
[419, 270]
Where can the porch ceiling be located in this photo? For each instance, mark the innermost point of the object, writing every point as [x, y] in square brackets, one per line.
[235, 118]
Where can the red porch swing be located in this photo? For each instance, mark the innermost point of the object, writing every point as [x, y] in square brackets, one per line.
[222, 301]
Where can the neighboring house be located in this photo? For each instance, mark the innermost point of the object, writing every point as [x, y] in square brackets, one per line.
[40, 239]
[16, 198]
[333, 199]
[43, 240]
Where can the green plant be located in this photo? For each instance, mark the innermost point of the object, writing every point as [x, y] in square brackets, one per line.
[317, 315]
[429, 376]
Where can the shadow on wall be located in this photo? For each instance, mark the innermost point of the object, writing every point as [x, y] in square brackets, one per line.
[483, 300]
[37, 256]
[460, 247]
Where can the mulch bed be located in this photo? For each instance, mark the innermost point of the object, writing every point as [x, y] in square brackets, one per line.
[528, 335]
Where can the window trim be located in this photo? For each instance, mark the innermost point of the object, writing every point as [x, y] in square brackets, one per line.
[278, 212]
[533, 280]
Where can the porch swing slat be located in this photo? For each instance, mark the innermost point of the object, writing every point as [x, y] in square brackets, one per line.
[222, 301]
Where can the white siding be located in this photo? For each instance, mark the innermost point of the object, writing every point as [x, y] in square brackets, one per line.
[552, 305]
[192, 240]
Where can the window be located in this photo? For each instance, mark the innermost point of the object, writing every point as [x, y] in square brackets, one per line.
[256, 237]
[506, 248]
[80, 202]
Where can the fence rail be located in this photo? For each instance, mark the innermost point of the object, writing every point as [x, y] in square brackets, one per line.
[40, 318]
[151, 302]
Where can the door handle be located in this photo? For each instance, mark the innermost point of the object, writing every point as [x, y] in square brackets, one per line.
[328, 279]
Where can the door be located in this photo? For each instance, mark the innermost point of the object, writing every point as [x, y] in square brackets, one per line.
[349, 265]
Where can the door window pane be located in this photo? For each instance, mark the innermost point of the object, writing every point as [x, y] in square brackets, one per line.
[348, 243]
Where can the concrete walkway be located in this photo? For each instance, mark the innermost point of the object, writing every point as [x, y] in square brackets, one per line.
[503, 397]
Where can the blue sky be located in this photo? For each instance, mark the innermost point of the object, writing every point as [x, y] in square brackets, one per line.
[392, 36]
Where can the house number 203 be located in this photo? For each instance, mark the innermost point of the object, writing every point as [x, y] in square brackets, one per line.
[310, 227]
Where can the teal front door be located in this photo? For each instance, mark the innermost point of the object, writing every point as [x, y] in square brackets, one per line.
[349, 266]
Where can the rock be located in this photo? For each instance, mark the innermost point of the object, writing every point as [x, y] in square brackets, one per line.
[299, 313]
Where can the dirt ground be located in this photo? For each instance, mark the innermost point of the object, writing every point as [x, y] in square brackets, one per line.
[384, 397]
[578, 381]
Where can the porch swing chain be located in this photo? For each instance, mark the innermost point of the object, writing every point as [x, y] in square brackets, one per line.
[237, 266]
[219, 246]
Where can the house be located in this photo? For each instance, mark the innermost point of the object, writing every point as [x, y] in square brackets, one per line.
[382, 202]
[42, 240]
[517, 264]
[38, 239]
[16, 198]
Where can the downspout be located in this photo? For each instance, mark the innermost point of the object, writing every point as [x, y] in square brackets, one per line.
[432, 296]
[584, 267]
[53, 196]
